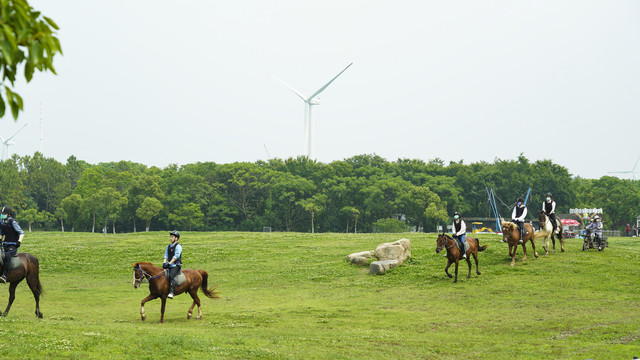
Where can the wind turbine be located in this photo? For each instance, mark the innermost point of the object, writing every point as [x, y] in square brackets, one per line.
[309, 103]
[632, 171]
[7, 142]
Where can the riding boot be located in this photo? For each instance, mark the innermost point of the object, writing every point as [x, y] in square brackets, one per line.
[170, 295]
[5, 269]
[463, 254]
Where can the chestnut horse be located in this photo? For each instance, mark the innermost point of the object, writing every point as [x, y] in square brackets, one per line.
[454, 254]
[547, 228]
[511, 234]
[29, 269]
[159, 286]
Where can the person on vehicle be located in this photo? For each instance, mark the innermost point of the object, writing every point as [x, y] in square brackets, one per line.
[459, 230]
[173, 260]
[549, 208]
[11, 236]
[518, 215]
[596, 228]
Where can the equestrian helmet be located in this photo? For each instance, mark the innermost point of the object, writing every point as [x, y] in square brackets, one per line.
[596, 218]
[549, 195]
[7, 210]
[175, 233]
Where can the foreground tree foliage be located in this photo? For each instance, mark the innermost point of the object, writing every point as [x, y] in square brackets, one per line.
[295, 194]
[27, 38]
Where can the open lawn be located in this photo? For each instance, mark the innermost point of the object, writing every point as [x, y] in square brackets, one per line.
[293, 296]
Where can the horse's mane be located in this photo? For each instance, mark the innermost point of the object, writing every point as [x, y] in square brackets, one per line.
[508, 225]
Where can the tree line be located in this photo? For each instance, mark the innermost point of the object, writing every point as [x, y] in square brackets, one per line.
[364, 193]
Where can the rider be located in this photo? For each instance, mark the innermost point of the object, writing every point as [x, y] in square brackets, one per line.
[549, 208]
[11, 235]
[596, 227]
[518, 215]
[459, 230]
[173, 260]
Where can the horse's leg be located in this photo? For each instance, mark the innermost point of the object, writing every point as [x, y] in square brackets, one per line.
[533, 245]
[562, 244]
[553, 238]
[446, 268]
[475, 257]
[148, 298]
[524, 250]
[12, 296]
[164, 302]
[196, 301]
[456, 278]
[35, 289]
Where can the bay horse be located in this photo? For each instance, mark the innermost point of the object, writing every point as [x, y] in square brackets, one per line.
[29, 269]
[159, 286]
[511, 235]
[453, 252]
[546, 227]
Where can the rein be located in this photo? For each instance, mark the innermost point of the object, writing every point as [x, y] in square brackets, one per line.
[446, 238]
[145, 276]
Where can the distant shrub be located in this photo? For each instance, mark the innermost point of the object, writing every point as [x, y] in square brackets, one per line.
[389, 226]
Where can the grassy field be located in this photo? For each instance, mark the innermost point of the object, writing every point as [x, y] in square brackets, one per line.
[293, 296]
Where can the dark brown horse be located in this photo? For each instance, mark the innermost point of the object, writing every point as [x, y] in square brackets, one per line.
[159, 286]
[511, 235]
[29, 269]
[546, 229]
[454, 254]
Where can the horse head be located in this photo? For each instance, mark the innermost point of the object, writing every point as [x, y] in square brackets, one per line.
[542, 217]
[508, 228]
[441, 242]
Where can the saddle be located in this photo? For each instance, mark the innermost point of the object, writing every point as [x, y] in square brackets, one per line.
[466, 246]
[179, 279]
[15, 263]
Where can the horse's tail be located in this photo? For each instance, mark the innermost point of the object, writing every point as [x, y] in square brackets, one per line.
[33, 275]
[208, 292]
[483, 247]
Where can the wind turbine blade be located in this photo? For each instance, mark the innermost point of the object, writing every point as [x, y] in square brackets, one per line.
[634, 166]
[329, 83]
[16, 133]
[292, 89]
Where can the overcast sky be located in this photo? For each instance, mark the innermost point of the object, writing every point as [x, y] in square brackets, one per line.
[160, 82]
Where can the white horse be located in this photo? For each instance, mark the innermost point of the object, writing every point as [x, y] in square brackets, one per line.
[547, 227]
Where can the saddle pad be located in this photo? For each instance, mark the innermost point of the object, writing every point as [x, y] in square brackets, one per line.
[15, 262]
[179, 279]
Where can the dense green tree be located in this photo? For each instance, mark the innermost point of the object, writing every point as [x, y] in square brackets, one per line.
[72, 206]
[149, 209]
[188, 216]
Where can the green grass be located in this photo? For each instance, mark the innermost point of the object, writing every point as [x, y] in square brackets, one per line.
[293, 296]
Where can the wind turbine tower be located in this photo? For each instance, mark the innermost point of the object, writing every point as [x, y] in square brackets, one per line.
[6, 142]
[309, 103]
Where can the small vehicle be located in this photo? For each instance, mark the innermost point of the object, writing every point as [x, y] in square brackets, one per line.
[593, 241]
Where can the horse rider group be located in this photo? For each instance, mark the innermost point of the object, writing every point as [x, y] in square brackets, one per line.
[518, 216]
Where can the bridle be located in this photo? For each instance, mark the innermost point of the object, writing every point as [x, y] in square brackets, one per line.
[144, 276]
[444, 244]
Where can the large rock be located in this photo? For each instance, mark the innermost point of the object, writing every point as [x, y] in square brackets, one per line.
[381, 267]
[360, 258]
[399, 250]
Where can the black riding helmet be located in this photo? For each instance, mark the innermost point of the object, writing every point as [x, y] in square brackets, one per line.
[7, 210]
[175, 233]
[520, 200]
[549, 195]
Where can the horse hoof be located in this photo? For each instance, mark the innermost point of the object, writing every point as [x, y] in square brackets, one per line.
[450, 276]
[478, 272]
[513, 264]
[189, 316]
[144, 318]
[198, 317]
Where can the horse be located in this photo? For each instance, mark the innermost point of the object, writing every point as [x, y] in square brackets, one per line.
[511, 235]
[27, 268]
[547, 227]
[453, 253]
[159, 286]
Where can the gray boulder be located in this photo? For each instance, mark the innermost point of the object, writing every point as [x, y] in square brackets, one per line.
[381, 267]
[360, 258]
[399, 250]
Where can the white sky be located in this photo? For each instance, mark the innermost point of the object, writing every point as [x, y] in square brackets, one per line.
[160, 82]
